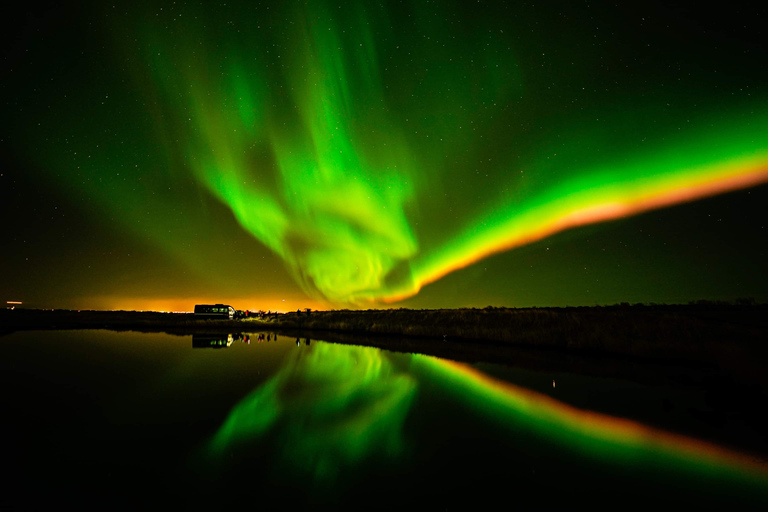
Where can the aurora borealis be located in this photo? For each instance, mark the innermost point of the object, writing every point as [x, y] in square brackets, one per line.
[295, 154]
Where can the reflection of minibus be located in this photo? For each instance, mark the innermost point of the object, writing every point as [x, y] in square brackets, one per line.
[211, 341]
[214, 311]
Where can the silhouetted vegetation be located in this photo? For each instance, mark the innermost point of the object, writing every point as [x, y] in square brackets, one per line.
[20, 319]
[701, 331]
[639, 330]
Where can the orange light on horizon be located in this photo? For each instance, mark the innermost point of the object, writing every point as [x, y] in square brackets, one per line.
[280, 304]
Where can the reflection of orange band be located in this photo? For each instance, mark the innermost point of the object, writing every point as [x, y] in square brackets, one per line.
[601, 426]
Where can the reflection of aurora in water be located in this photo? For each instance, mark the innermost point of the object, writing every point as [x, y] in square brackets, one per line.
[329, 407]
[338, 405]
[590, 434]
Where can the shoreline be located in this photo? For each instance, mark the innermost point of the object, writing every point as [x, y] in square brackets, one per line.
[723, 335]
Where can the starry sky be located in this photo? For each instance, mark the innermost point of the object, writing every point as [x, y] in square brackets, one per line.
[277, 155]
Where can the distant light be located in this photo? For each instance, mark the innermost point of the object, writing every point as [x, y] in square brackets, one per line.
[13, 302]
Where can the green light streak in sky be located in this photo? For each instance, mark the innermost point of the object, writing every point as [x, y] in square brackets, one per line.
[329, 206]
[328, 408]
[377, 148]
[314, 158]
[691, 170]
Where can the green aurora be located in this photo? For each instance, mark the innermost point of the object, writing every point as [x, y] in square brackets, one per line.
[375, 148]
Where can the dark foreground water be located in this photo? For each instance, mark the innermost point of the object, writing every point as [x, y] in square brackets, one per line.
[102, 419]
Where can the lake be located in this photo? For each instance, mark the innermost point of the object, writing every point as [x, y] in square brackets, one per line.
[122, 419]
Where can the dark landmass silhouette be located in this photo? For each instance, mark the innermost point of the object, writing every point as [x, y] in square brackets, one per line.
[702, 332]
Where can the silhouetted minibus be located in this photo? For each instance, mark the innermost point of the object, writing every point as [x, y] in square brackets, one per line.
[214, 311]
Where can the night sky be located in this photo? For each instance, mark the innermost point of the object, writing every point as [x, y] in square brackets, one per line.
[382, 154]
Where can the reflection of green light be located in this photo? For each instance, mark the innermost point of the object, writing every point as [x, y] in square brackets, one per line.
[626, 444]
[330, 407]
[335, 407]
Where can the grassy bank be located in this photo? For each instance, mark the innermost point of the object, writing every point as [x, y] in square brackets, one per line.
[733, 339]
[27, 319]
[700, 331]
[651, 331]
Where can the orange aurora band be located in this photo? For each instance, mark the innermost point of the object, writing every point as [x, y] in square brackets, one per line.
[594, 432]
[579, 204]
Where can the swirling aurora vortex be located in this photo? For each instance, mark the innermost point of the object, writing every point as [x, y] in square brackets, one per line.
[342, 152]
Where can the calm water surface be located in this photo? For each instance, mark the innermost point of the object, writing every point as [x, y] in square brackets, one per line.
[106, 419]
